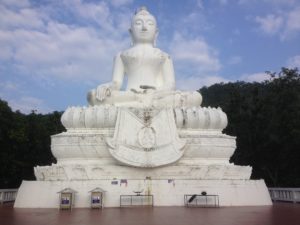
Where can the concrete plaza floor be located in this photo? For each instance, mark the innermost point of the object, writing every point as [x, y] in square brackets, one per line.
[278, 214]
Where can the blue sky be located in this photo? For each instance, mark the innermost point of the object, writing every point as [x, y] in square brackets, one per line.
[54, 51]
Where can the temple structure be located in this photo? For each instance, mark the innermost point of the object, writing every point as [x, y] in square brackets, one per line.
[148, 137]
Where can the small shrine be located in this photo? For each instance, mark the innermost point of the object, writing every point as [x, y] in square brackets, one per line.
[66, 198]
[97, 196]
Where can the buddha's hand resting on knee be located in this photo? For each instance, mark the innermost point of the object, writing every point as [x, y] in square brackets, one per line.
[103, 91]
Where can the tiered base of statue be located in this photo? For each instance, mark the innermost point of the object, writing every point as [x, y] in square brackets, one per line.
[165, 152]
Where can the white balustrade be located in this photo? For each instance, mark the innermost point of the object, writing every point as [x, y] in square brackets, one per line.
[285, 194]
[8, 195]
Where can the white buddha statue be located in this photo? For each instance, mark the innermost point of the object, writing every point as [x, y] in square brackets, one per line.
[151, 79]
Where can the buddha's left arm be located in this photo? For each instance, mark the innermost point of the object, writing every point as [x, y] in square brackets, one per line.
[168, 75]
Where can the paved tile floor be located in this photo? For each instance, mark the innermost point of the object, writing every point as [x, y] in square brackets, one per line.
[278, 214]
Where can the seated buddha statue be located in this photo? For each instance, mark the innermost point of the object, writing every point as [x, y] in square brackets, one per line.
[149, 71]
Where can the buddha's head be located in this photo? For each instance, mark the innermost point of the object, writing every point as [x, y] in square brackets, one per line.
[143, 27]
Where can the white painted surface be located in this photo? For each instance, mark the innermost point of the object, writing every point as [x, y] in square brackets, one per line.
[43, 194]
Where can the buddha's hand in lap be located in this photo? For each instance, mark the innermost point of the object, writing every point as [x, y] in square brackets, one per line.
[103, 91]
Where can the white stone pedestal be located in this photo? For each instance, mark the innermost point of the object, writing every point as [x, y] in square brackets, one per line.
[43, 194]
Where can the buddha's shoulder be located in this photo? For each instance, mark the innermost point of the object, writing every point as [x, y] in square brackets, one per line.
[127, 52]
[161, 53]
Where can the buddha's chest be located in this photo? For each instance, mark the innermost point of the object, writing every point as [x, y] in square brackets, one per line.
[137, 60]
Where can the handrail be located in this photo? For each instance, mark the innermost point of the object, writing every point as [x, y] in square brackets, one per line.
[201, 200]
[136, 200]
[285, 194]
[8, 195]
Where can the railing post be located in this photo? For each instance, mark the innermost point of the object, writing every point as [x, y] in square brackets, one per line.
[294, 196]
[7, 195]
[1, 197]
[285, 194]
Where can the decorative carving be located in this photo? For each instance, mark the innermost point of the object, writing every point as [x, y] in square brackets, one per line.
[150, 140]
[96, 172]
[79, 173]
[106, 117]
[50, 173]
[146, 137]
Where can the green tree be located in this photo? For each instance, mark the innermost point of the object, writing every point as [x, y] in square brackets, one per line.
[265, 117]
[24, 143]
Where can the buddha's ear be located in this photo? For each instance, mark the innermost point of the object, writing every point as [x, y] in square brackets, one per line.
[130, 32]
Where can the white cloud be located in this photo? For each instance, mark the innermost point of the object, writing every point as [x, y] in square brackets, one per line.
[24, 18]
[235, 60]
[241, 2]
[101, 14]
[223, 2]
[26, 104]
[292, 26]
[8, 86]
[193, 22]
[98, 12]
[118, 3]
[199, 4]
[271, 2]
[37, 46]
[255, 77]
[59, 50]
[294, 61]
[194, 54]
[16, 3]
[18, 99]
[285, 24]
[236, 32]
[196, 82]
[6, 53]
[195, 61]
[269, 24]
[284, 2]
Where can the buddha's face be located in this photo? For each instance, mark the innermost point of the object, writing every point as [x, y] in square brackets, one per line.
[143, 28]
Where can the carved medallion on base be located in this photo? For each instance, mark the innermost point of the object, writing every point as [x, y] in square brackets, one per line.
[146, 138]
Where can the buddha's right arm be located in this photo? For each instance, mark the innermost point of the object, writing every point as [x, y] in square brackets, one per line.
[104, 90]
[117, 75]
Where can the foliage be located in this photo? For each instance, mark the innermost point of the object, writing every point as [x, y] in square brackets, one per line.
[265, 117]
[24, 143]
